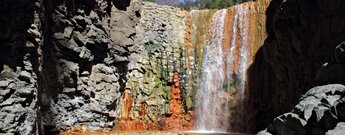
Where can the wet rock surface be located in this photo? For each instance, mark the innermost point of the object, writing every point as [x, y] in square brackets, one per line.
[160, 36]
[174, 120]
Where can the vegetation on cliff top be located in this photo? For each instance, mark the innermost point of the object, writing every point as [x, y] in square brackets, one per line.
[209, 4]
[199, 4]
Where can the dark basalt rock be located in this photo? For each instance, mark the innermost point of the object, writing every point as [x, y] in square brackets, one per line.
[322, 108]
[318, 112]
[340, 53]
[338, 130]
[333, 72]
[62, 63]
[85, 62]
[19, 40]
[302, 37]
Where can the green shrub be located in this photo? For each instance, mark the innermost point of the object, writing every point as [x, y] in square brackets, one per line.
[209, 4]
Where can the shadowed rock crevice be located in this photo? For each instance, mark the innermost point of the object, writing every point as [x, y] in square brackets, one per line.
[302, 36]
[319, 111]
[122, 4]
[20, 38]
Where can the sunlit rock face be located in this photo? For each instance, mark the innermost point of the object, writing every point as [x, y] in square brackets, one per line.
[85, 60]
[160, 38]
[72, 62]
[197, 27]
[175, 40]
[76, 63]
[64, 63]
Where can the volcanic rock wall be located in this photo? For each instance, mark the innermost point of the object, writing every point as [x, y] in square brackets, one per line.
[160, 35]
[88, 48]
[20, 39]
[321, 109]
[197, 27]
[64, 63]
[302, 36]
[69, 63]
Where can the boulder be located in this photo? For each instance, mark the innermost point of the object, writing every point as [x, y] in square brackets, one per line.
[318, 111]
[338, 130]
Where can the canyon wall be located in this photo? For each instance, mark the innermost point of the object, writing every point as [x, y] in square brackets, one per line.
[88, 47]
[86, 64]
[160, 33]
[321, 109]
[94, 63]
[91, 64]
[20, 38]
[302, 36]
[64, 63]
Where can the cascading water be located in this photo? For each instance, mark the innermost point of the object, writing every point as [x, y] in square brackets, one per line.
[212, 77]
[223, 71]
[244, 51]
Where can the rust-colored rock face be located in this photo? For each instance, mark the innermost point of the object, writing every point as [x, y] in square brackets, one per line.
[127, 122]
[177, 120]
[127, 125]
[241, 30]
[197, 25]
[127, 106]
[175, 105]
[142, 111]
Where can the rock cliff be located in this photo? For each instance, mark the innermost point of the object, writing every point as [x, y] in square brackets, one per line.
[64, 63]
[93, 63]
[160, 34]
[302, 36]
[20, 38]
[321, 109]
[88, 47]
[71, 63]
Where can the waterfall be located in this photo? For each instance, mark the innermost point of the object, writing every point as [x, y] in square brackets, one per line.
[223, 71]
[212, 77]
[245, 49]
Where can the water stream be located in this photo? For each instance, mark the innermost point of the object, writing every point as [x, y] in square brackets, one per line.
[212, 77]
[223, 71]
